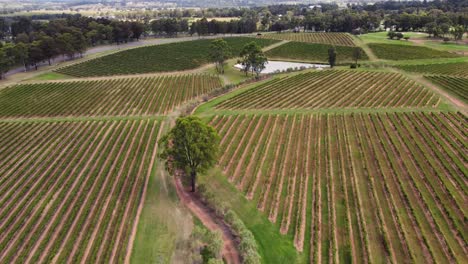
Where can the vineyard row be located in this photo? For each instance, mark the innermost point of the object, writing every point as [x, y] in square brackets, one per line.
[334, 89]
[69, 191]
[357, 187]
[119, 97]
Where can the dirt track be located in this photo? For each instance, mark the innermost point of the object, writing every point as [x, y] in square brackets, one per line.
[230, 253]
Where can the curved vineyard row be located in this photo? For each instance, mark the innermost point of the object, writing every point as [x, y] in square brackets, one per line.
[359, 187]
[313, 52]
[407, 52]
[456, 68]
[457, 86]
[334, 89]
[331, 38]
[119, 97]
[72, 194]
[178, 56]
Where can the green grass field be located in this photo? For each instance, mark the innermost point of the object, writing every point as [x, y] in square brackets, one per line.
[159, 58]
[309, 52]
[406, 52]
[48, 76]
[381, 37]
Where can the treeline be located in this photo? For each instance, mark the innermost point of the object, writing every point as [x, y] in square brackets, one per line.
[28, 43]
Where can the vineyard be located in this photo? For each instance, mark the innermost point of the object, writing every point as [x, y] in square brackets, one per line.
[456, 69]
[118, 97]
[457, 86]
[334, 89]
[70, 190]
[407, 52]
[312, 52]
[330, 38]
[378, 188]
[160, 58]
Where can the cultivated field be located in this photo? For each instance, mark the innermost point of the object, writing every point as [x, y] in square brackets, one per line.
[334, 89]
[69, 191]
[118, 97]
[339, 39]
[356, 187]
[456, 69]
[159, 58]
[457, 86]
[312, 52]
[407, 52]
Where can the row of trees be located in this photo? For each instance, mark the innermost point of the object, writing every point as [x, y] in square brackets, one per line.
[28, 43]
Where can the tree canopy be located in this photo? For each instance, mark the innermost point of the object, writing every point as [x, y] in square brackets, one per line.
[191, 147]
[252, 58]
[332, 56]
[219, 53]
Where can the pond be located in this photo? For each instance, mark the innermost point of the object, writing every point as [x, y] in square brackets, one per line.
[279, 66]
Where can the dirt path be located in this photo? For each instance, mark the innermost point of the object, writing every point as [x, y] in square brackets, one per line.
[267, 48]
[230, 252]
[360, 43]
[459, 104]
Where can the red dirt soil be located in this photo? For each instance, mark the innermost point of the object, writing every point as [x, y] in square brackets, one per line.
[230, 252]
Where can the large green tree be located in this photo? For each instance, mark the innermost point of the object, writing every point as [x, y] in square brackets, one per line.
[357, 54]
[252, 58]
[219, 53]
[191, 147]
[332, 56]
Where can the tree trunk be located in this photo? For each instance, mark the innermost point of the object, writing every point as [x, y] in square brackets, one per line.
[193, 176]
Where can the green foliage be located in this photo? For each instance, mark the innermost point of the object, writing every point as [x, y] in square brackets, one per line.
[219, 53]
[332, 56]
[191, 146]
[248, 245]
[357, 54]
[457, 32]
[252, 58]
[312, 52]
[406, 52]
[159, 58]
[7, 59]
[206, 246]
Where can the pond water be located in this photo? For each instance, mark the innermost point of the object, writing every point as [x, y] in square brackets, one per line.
[279, 66]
